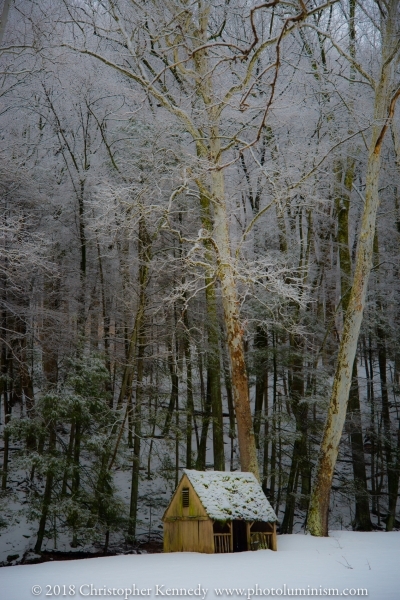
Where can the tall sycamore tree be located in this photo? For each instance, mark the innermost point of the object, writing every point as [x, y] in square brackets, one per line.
[386, 92]
[200, 61]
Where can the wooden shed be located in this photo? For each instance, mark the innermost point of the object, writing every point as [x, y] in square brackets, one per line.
[218, 512]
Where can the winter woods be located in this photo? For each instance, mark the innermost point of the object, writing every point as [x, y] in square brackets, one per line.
[199, 248]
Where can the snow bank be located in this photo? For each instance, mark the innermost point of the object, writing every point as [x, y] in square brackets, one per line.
[346, 561]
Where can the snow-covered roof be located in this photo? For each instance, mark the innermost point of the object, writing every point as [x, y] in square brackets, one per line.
[231, 495]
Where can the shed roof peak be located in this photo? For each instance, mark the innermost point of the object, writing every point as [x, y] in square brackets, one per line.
[229, 495]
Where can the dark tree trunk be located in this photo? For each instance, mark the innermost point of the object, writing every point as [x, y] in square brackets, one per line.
[390, 456]
[189, 394]
[201, 456]
[261, 346]
[362, 520]
[46, 501]
[300, 460]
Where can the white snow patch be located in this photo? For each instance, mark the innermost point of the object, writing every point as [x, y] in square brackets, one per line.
[344, 561]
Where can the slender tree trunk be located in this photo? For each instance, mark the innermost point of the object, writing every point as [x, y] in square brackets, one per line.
[261, 345]
[3, 382]
[279, 456]
[383, 110]
[362, 519]
[225, 268]
[68, 459]
[390, 455]
[274, 415]
[83, 264]
[106, 325]
[230, 302]
[76, 453]
[371, 428]
[144, 249]
[144, 275]
[174, 389]
[266, 435]
[229, 396]
[27, 388]
[177, 439]
[344, 179]
[201, 455]
[76, 475]
[6, 437]
[153, 419]
[189, 394]
[49, 346]
[394, 486]
[300, 460]
[213, 350]
[137, 439]
[47, 492]
[214, 374]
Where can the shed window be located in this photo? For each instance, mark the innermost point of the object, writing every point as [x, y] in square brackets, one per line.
[185, 497]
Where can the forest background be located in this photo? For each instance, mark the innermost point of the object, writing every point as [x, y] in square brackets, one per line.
[188, 193]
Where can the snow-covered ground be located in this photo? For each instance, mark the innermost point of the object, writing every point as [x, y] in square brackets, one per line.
[303, 565]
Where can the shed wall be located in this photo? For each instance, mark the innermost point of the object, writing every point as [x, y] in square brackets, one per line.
[175, 509]
[189, 536]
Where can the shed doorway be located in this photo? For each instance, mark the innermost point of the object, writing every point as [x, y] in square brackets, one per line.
[239, 531]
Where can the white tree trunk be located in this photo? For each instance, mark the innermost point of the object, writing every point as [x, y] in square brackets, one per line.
[222, 239]
[246, 439]
[383, 110]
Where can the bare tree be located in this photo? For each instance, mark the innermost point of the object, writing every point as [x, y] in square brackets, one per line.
[387, 91]
[191, 53]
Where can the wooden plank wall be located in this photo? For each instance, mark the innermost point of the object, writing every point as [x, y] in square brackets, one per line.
[189, 536]
[195, 508]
